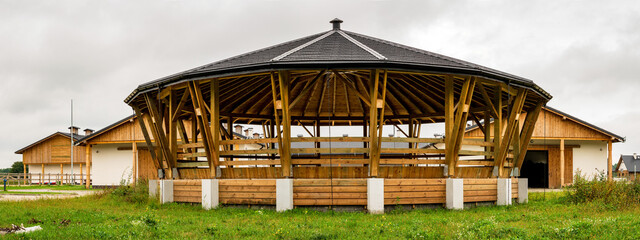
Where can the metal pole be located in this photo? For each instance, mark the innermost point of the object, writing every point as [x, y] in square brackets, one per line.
[71, 129]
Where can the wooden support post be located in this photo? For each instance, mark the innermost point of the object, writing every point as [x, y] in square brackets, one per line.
[277, 105]
[510, 130]
[42, 175]
[24, 176]
[527, 132]
[81, 175]
[373, 124]
[381, 104]
[286, 123]
[562, 162]
[215, 124]
[449, 125]
[134, 166]
[487, 132]
[147, 138]
[461, 116]
[609, 161]
[497, 124]
[204, 125]
[159, 136]
[172, 128]
[61, 174]
[88, 164]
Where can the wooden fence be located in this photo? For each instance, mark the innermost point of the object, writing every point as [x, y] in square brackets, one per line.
[18, 179]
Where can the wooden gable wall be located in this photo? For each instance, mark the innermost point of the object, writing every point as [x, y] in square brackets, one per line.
[127, 132]
[55, 150]
[553, 126]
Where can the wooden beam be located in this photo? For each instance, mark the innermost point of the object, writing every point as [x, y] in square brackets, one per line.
[308, 86]
[203, 124]
[183, 100]
[143, 128]
[497, 122]
[215, 126]
[157, 130]
[527, 132]
[373, 124]
[462, 114]
[381, 121]
[449, 125]
[351, 86]
[172, 128]
[88, 162]
[510, 130]
[488, 102]
[134, 165]
[285, 160]
[562, 160]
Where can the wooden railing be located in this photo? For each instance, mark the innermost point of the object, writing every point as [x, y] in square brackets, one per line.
[268, 155]
[39, 178]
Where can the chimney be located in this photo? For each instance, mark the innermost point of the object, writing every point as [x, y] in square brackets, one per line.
[635, 156]
[299, 135]
[248, 132]
[238, 129]
[88, 132]
[345, 135]
[256, 135]
[336, 23]
[74, 130]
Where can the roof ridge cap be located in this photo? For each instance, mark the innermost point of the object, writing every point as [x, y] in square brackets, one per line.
[302, 46]
[362, 45]
[417, 50]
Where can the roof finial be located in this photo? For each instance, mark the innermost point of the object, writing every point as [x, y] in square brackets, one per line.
[336, 23]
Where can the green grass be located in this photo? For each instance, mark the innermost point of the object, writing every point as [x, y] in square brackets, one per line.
[116, 216]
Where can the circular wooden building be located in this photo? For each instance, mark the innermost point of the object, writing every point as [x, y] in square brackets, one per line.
[336, 78]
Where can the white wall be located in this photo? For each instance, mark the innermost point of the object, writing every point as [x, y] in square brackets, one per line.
[590, 158]
[110, 166]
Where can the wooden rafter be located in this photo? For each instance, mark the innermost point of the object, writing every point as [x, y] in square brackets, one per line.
[308, 86]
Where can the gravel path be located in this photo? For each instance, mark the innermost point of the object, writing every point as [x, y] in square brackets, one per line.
[41, 194]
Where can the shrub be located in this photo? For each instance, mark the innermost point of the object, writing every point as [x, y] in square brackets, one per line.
[615, 194]
[132, 194]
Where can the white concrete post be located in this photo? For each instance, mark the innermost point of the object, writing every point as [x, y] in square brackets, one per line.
[284, 194]
[455, 193]
[210, 193]
[504, 191]
[153, 188]
[166, 191]
[375, 195]
[523, 190]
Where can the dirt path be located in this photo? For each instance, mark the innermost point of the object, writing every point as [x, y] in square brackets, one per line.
[41, 194]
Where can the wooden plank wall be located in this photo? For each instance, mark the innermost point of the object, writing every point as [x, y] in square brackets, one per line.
[554, 166]
[247, 191]
[146, 169]
[474, 172]
[55, 150]
[514, 188]
[480, 190]
[130, 131]
[189, 191]
[414, 191]
[329, 192]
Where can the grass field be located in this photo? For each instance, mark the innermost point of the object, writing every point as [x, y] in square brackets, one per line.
[116, 216]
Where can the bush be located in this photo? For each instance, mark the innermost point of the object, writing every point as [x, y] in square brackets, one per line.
[615, 194]
[132, 194]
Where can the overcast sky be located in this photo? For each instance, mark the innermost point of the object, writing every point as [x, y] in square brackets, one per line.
[585, 53]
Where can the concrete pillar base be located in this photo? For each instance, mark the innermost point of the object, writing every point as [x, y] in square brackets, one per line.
[153, 189]
[504, 192]
[375, 195]
[210, 193]
[523, 190]
[284, 194]
[455, 193]
[166, 191]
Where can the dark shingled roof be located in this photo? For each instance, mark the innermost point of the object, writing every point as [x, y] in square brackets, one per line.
[334, 49]
[631, 164]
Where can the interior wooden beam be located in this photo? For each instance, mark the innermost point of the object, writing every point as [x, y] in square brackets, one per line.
[351, 86]
[488, 101]
[307, 87]
[497, 123]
